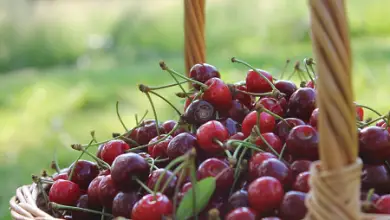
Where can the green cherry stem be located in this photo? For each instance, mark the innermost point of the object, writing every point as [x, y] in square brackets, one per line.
[154, 113]
[369, 108]
[119, 116]
[103, 213]
[78, 158]
[142, 118]
[246, 145]
[177, 188]
[136, 118]
[171, 71]
[308, 72]
[373, 121]
[174, 174]
[166, 100]
[99, 161]
[275, 116]
[284, 69]
[194, 185]
[167, 86]
[72, 208]
[370, 193]
[227, 152]
[282, 151]
[238, 169]
[254, 94]
[169, 167]
[143, 185]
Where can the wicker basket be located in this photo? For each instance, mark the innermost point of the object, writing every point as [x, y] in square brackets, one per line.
[335, 179]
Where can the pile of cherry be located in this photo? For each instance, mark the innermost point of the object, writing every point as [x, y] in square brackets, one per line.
[246, 147]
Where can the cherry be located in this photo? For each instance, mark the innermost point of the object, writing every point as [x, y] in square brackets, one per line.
[286, 87]
[154, 176]
[368, 204]
[274, 168]
[123, 204]
[237, 111]
[126, 167]
[107, 191]
[213, 167]
[245, 99]
[273, 105]
[302, 103]
[93, 191]
[255, 162]
[265, 194]
[374, 145]
[302, 142]
[256, 83]
[180, 145]
[202, 73]
[64, 192]
[293, 206]
[241, 213]
[314, 118]
[159, 149]
[310, 84]
[146, 132]
[112, 149]
[84, 172]
[62, 176]
[231, 125]
[208, 133]
[377, 177]
[383, 204]
[237, 136]
[300, 166]
[282, 129]
[273, 140]
[152, 207]
[267, 123]
[218, 94]
[169, 125]
[301, 183]
[199, 112]
[83, 203]
[238, 199]
[99, 151]
[359, 113]
[384, 125]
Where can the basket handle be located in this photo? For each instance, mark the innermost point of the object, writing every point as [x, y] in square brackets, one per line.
[194, 39]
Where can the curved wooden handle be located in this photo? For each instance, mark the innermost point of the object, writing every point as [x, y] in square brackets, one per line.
[194, 39]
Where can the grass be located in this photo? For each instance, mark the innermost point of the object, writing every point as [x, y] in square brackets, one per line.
[43, 111]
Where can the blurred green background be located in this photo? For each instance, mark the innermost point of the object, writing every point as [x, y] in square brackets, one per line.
[64, 64]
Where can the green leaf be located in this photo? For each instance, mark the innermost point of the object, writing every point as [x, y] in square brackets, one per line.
[204, 190]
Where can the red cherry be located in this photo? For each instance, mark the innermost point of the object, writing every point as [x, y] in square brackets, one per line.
[237, 136]
[112, 149]
[146, 132]
[293, 206]
[374, 145]
[209, 131]
[282, 129]
[218, 94]
[286, 87]
[301, 183]
[359, 113]
[169, 125]
[159, 149]
[255, 162]
[64, 192]
[237, 111]
[274, 168]
[202, 73]
[302, 103]
[314, 118]
[256, 83]
[152, 207]
[273, 140]
[99, 151]
[213, 167]
[107, 191]
[302, 142]
[241, 213]
[380, 123]
[123, 204]
[84, 172]
[243, 98]
[273, 105]
[265, 194]
[310, 84]
[93, 192]
[300, 166]
[62, 176]
[155, 175]
[181, 144]
[384, 125]
[383, 204]
[83, 203]
[267, 123]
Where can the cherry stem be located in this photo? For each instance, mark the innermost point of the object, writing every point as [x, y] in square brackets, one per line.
[238, 169]
[284, 69]
[194, 185]
[308, 72]
[183, 95]
[369, 108]
[161, 160]
[72, 208]
[174, 173]
[235, 60]
[103, 213]
[275, 116]
[177, 188]
[282, 151]
[143, 185]
[166, 100]
[246, 145]
[255, 94]
[267, 144]
[142, 118]
[168, 167]
[167, 86]
[362, 125]
[136, 118]
[101, 163]
[54, 166]
[292, 74]
[154, 112]
[171, 71]
[78, 158]
[177, 82]
[41, 180]
[227, 152]
[119, 116]
[370, 193]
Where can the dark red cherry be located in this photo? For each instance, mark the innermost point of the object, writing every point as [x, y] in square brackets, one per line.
[302, 142]
[199, 112]
[126, 167]
[123, 204]
[272, 140]
[181, 144]
[237, 112]
[241, 213]
[301, 183]
[62, 176]
[159, 149]
[293, 206]
[380, 123]
[282, 129]
[273, 105]
[314, 118]
[302, 103]
[147, 131]
[83, 203]
[243, 98]
[265, 194]
[255, 162]
[218, 94]
[208, 132]
[152, 207]
[112, 149]
[93, 192]
[155, 175]
[384, 126]
[286, 87]
[99, 151]
[202, 73]
[274, 168]
[377, 177]
[84, 172]
[107, 191]
[267, 123]
[374, 145]
[237, 136]
[383, 204]
[189, 100]
[231, 125]
[213, 167]
[238, 199]
[64, 192]
[170, 124]
[256, 83]
[300, 166]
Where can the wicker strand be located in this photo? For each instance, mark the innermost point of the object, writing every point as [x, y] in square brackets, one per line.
[194, 24]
